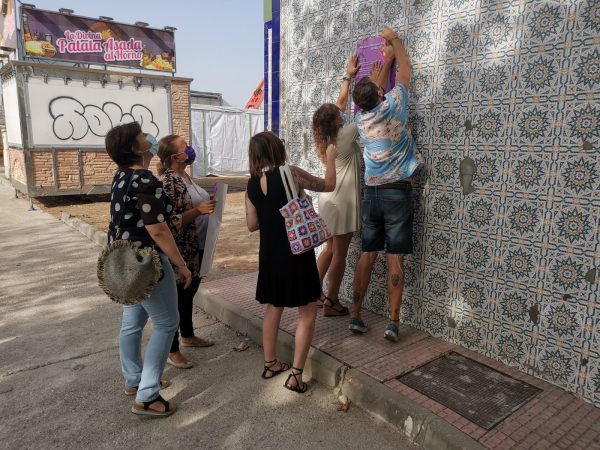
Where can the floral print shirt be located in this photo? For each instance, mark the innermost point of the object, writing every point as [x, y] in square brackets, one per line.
[389, 149]
[185, 236]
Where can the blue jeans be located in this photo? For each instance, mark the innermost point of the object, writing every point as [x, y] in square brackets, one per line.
[161, 307]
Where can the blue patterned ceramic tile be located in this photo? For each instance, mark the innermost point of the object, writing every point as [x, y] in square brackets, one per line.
[582, 122]
[562, 324]
[470, 334]
[585, 70]
[545, 22]
[519, 263]
[529, 171]
[317, 61]
[524, 218]
[513, 84]
[490, 125]
[423, 44]
[574, 226]
[565, 273]
[579, 176]
[557, 365]
[449, 126]
[511, 347]
[539, 73]
[497, 33]
[588, 18]
[457, 38]
[453, 82]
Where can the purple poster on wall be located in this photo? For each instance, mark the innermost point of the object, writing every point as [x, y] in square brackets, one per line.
[369, 51]
[66, 37]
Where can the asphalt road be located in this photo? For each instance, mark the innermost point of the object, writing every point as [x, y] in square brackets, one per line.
[60, 383]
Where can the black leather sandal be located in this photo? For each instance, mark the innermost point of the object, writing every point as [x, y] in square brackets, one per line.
[333, 308]
[268, 364]
[300, 387]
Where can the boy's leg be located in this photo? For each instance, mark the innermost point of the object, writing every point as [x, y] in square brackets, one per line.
[362, 278]
[373, 239]
[395, 284]
[399, 213]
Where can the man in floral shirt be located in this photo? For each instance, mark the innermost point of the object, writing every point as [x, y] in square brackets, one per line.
[390, 161]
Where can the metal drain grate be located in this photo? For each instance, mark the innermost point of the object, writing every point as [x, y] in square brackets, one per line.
[476, 392]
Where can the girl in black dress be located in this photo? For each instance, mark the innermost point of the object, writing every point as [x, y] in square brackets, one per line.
[284, 279]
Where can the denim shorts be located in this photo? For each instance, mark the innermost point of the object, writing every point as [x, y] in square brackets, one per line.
[387, 220]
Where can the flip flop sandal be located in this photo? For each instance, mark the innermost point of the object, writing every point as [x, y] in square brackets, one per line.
[300, 387]
[133, 389]
[268, 364]
[146, 411]
[182, 365]
[334, 308]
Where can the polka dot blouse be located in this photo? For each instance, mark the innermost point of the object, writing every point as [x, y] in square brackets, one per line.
[144, 204]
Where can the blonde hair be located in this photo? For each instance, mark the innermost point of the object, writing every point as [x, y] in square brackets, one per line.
[166, 149]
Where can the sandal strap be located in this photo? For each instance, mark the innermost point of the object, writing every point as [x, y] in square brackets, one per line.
[157, 399]
[300, 386]
[284, 366]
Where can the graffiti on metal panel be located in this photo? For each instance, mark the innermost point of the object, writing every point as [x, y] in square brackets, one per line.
[73, 120]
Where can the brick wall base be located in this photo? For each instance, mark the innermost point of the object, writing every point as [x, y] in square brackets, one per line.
[16, 161]
[180, 107]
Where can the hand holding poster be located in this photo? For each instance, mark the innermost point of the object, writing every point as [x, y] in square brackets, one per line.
[214, 226]
[368, 52]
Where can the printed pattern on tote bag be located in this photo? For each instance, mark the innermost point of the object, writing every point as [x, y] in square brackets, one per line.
[305, 228]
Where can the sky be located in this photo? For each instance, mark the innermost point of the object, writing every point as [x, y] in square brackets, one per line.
[219, 43]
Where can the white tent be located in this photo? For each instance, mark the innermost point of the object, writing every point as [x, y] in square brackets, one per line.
[220, 136]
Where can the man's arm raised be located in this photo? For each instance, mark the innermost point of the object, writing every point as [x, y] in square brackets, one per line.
[402, 59]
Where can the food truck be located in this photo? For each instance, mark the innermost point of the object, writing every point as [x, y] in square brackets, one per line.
[72, 79]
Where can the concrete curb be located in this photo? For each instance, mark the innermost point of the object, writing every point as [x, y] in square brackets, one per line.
[320, 366]
[415, 421]
[92, 233]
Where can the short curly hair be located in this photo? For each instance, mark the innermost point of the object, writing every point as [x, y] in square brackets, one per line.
[366, 94]
[120, 143]
[325, 126]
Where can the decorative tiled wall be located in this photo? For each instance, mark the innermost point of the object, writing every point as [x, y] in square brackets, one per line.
[515, 85]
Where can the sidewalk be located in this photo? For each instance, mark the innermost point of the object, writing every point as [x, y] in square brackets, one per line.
[366, 368]
[60, 380]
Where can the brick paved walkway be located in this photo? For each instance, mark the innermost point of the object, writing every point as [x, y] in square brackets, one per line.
[552, 419]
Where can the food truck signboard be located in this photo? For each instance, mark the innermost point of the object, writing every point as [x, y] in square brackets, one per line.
[65, 37]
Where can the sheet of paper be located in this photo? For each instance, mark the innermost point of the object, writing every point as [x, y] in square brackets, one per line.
[368, 51]
[214, 226]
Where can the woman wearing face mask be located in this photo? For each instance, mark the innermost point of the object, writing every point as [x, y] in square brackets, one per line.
[139, 213]
[189, 222]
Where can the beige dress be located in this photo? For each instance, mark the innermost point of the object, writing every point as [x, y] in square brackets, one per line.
[341, 208]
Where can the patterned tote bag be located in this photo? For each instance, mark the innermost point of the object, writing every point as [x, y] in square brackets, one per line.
[305, 228]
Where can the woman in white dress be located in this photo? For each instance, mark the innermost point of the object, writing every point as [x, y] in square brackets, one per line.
[341, 208]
